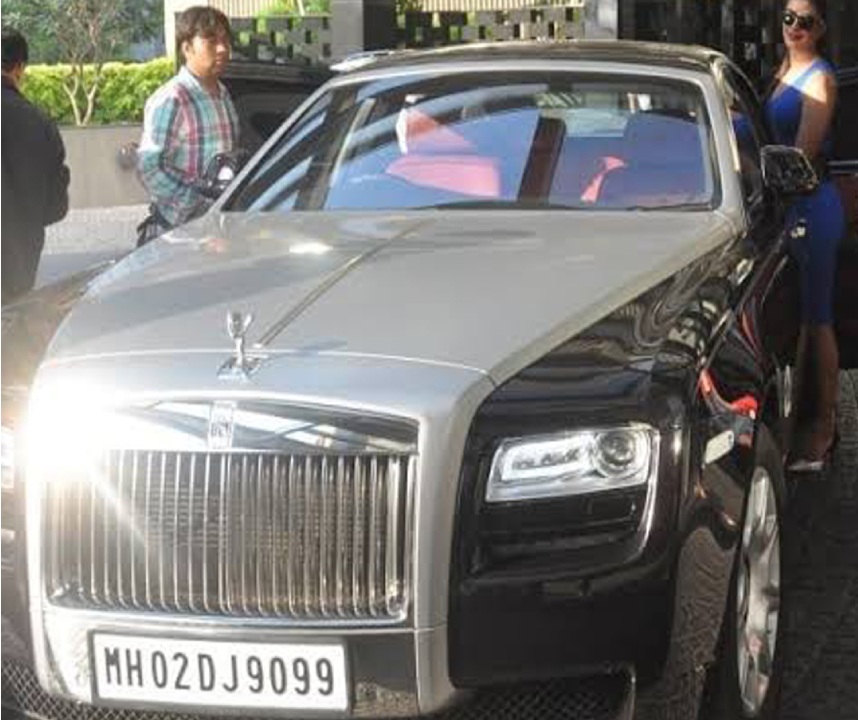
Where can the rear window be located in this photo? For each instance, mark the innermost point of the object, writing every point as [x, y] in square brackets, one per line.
[512, 140]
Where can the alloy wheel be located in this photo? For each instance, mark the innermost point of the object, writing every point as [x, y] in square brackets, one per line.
[758, 593]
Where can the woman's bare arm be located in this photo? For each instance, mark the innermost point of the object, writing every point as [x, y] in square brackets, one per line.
[819, 98]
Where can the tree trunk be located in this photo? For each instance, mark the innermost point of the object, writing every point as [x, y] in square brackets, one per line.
[71, 89]
[91, 93]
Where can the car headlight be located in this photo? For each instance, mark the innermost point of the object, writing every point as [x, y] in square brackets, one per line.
[28, 326]
[63, 432]
[7, 457]
[572, 463]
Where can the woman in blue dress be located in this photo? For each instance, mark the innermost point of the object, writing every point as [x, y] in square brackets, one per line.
[799, 109]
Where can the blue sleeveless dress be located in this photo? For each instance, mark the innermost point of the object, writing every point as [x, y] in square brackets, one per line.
[816, 253]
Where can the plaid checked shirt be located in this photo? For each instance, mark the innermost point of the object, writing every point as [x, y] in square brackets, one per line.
[184, 127]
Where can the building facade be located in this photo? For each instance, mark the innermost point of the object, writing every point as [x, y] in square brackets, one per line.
[747, 30]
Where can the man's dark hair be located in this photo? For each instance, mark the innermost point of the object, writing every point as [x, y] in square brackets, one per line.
[206, 22]
[15, 50]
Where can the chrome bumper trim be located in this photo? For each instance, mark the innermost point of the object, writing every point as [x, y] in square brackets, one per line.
[394, 672]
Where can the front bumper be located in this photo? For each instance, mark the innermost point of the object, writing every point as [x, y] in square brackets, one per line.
[396, 672]
[609, 697]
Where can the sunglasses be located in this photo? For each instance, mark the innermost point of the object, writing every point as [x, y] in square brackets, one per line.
[802, 22]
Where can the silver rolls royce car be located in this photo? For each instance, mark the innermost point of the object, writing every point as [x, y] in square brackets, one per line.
[469, 397]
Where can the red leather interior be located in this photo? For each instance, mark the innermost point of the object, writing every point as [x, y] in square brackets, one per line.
[436, 156]
[466, 174]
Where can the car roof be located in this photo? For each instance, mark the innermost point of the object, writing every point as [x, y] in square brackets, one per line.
[690, 57]
[242, 69]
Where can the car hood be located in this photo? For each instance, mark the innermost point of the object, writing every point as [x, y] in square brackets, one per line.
[488, 290]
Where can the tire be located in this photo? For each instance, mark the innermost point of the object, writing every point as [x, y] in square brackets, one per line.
[728, 696]
[676, 693]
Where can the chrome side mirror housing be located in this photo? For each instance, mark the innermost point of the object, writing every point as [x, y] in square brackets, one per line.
[788, 171]
[220, 172]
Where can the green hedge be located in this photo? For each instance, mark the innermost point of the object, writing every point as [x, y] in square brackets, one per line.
[125, 87]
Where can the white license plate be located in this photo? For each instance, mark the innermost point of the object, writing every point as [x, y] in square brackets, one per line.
[163, 671]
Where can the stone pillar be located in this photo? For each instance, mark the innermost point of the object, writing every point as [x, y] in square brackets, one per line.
[347, 27]
[171, 8]
[362, 25]
[601, 19]
[379, 24]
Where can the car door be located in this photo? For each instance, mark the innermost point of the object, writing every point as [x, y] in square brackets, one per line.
[844, 171]
[737, 385]
[766, 309]
[844, 162]
[265, 94]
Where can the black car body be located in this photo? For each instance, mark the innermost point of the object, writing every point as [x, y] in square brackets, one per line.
[844, 168]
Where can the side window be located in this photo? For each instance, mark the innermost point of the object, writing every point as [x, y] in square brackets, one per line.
[278, 179]
[744, 111]
[262, 111]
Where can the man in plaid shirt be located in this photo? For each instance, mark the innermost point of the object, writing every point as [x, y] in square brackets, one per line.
[187, 121]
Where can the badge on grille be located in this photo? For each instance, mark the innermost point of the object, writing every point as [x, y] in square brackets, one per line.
[221, 425]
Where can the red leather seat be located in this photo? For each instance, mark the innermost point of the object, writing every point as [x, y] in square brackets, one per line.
[436, 156]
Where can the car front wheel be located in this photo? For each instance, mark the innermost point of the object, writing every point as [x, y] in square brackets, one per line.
[748, 676]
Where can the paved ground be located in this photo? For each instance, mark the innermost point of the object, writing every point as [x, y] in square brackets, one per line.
[88, 236]
[821, 668]
[95, 228]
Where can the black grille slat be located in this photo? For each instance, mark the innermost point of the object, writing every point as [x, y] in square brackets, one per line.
[245, 534]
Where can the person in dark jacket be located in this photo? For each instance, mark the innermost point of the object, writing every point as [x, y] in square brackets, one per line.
[35, 176]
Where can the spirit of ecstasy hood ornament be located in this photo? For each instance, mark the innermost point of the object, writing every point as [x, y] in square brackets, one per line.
[239, 366]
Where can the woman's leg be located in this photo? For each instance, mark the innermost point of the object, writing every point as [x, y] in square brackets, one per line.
[816, 254]
[823, 345]
[800, 391]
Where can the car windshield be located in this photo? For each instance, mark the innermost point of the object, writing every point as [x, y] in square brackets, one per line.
[491, 139]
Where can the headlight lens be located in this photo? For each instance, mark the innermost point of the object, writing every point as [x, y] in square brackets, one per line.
[572, 463]
[7, 457]
[63, 432]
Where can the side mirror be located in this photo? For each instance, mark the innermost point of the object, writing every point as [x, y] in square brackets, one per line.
[787, 170]
[220, 172]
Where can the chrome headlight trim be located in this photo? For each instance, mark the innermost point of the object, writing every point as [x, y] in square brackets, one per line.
[574, 462]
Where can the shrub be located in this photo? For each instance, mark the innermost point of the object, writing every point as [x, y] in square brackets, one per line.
[122, 95]
[293, 7]
[126, 87]
[323, 7]
[43, 86]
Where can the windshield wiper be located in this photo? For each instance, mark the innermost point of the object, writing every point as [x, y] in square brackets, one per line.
[654, 208]
[497, 204]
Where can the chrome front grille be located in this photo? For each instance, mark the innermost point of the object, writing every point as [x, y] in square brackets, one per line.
[250, 534]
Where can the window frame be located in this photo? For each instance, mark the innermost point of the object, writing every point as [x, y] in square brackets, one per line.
[738, 90]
